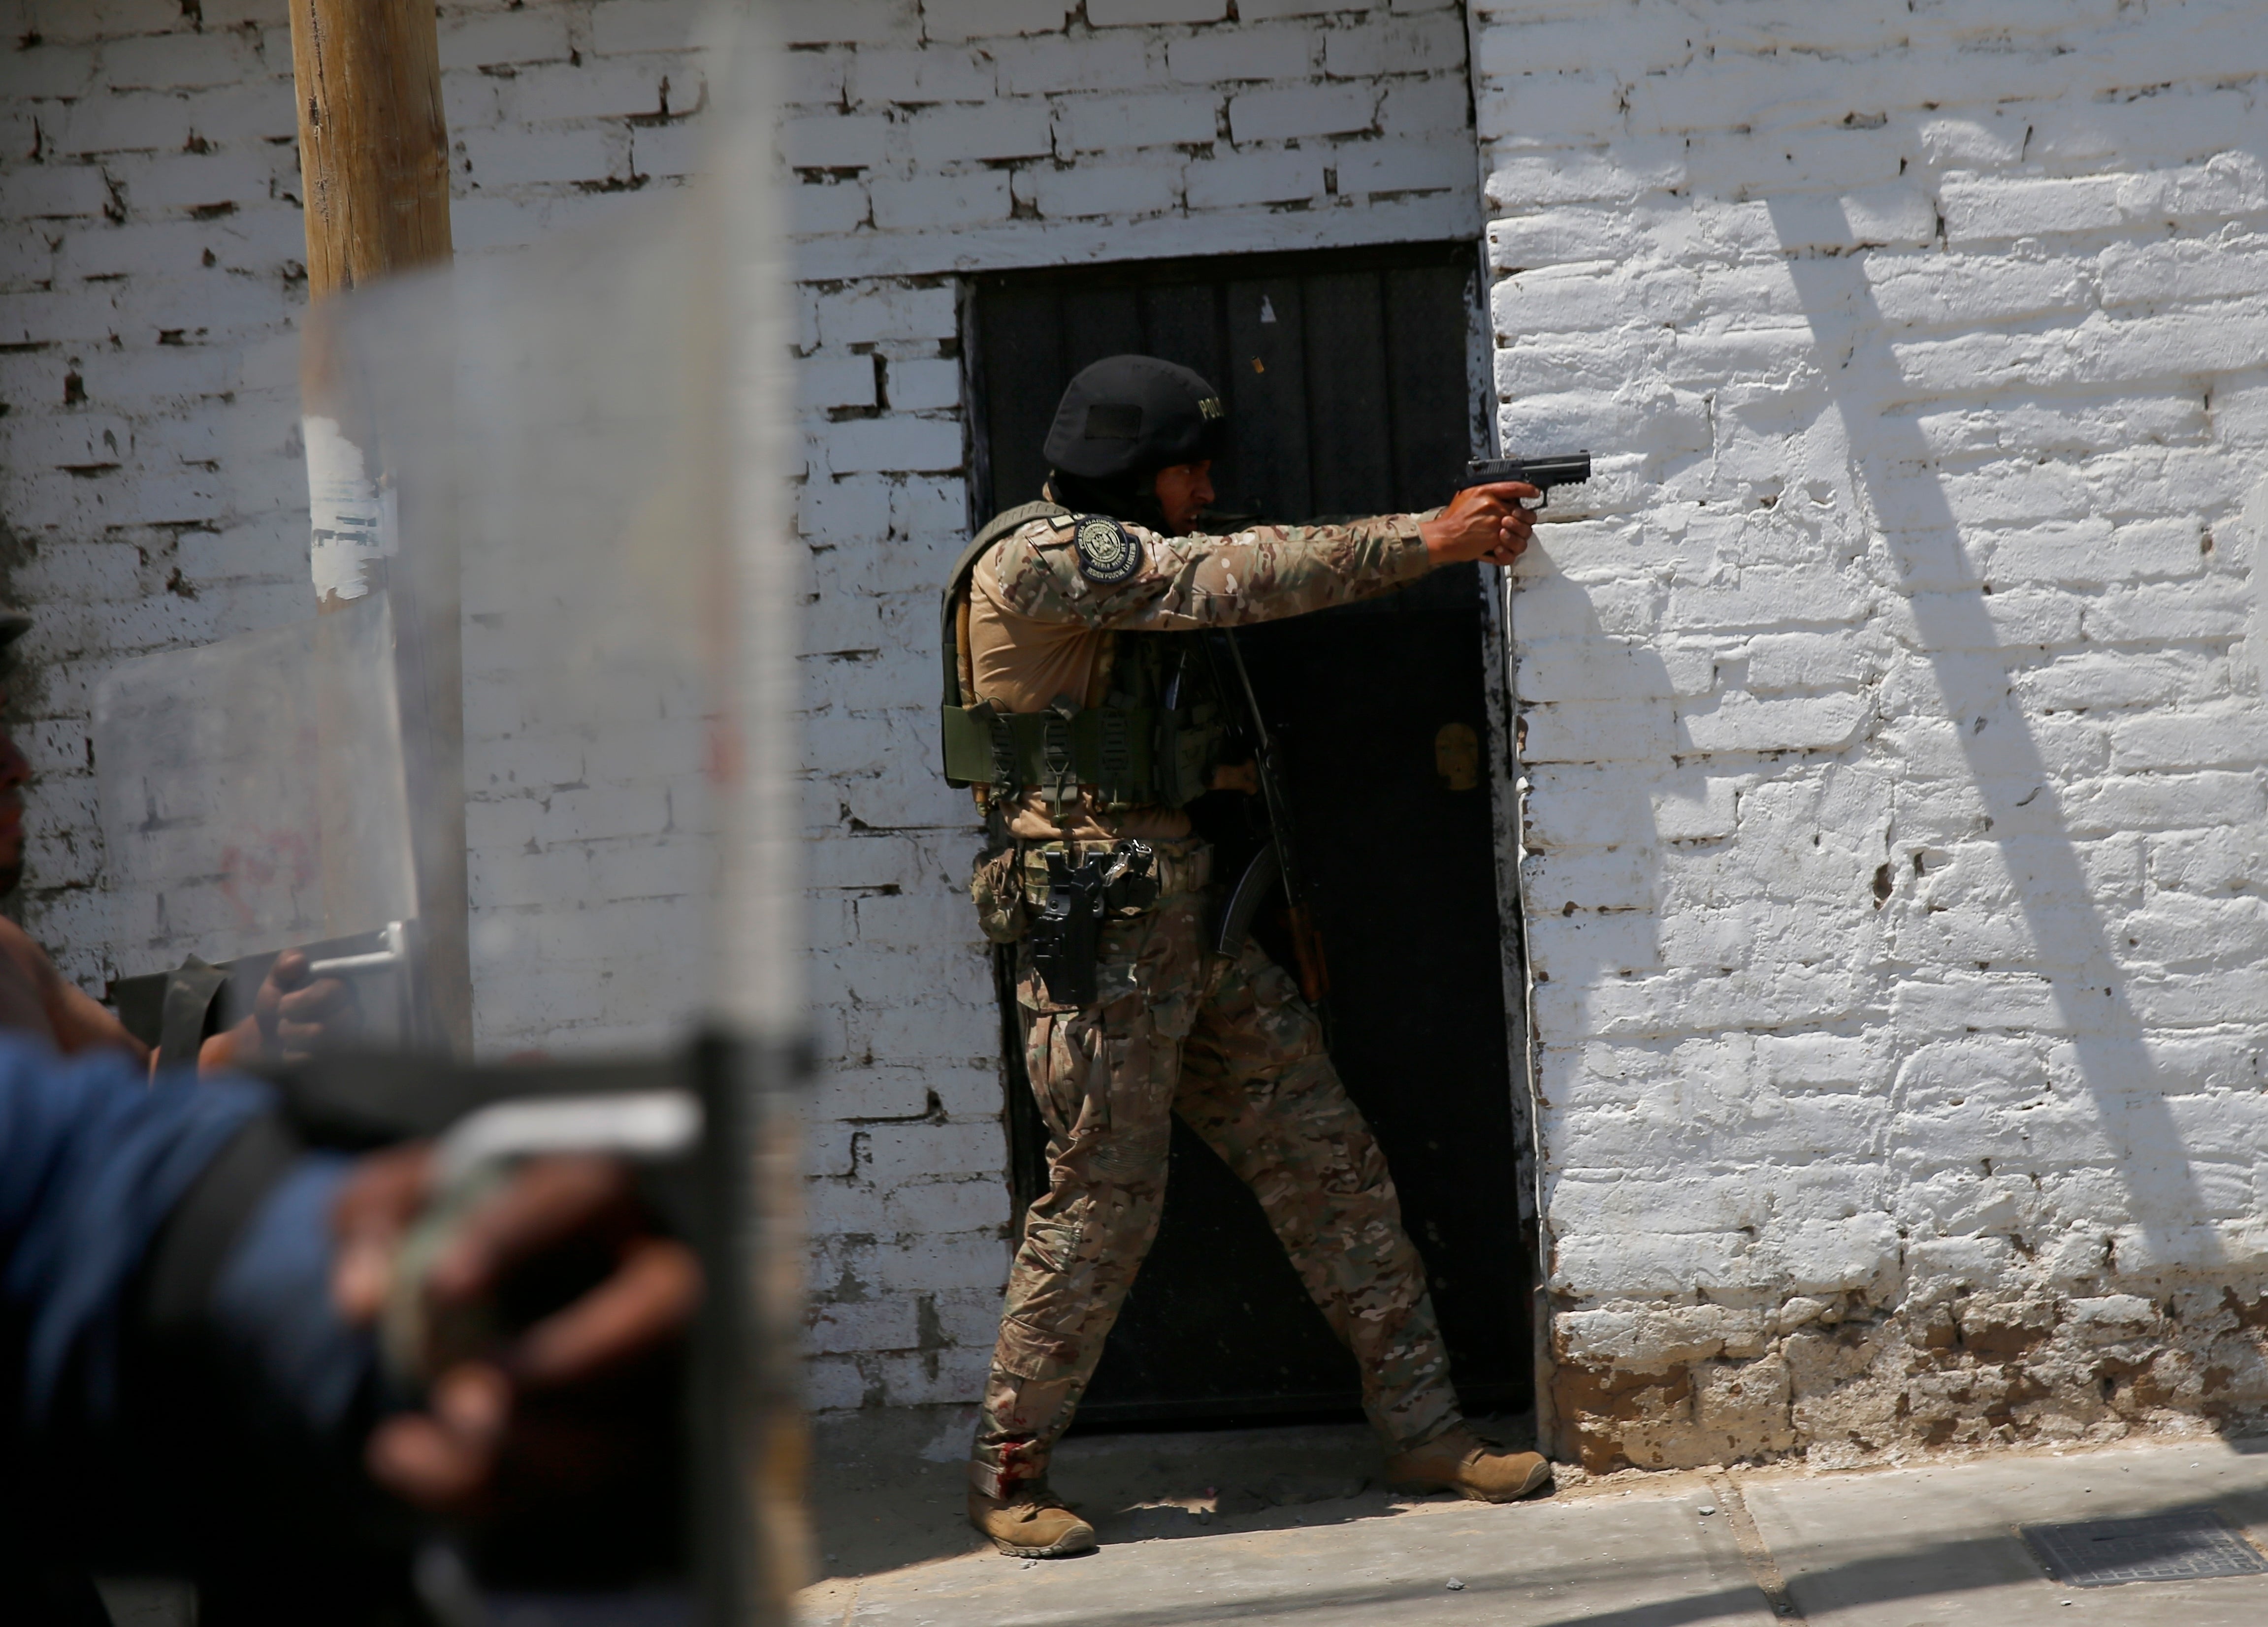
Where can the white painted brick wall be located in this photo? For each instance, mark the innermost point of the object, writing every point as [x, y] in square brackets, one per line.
[152, 240]
[1832, 851]
[151, 236]
[963, 134]
[150, 245]
[1891, 710]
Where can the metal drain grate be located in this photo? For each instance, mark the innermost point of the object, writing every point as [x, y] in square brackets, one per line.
[2159, 1548]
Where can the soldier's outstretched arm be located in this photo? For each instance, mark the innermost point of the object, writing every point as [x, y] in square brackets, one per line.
[1111, 573]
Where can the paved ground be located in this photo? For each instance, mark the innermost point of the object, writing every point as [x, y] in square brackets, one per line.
[1289, 1527]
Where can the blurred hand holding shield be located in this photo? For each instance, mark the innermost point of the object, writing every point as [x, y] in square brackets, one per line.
[530, 790]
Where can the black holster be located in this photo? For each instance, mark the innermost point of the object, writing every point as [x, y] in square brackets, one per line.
[1068, 934]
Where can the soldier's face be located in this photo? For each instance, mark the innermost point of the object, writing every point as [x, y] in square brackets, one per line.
[1183, 490]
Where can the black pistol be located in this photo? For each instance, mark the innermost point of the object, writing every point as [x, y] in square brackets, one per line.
[1541, 473]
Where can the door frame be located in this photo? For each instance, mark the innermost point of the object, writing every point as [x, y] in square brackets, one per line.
[1508, 820]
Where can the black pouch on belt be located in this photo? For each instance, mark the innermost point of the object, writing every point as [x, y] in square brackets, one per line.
[1067, 936]
[1064, 938]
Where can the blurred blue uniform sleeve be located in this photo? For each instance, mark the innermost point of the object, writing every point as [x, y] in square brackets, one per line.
[92, 1159]
[272, 1303]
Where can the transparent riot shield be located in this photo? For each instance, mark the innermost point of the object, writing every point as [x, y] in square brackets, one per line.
[524, 779]
[254, 801]
[501, 747]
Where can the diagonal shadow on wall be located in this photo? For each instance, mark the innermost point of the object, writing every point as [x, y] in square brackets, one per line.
[1892, 471]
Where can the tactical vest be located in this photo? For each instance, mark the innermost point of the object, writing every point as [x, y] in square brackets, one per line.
[1163, 729]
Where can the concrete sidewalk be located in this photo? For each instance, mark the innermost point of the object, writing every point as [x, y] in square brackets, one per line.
[1288, 1527]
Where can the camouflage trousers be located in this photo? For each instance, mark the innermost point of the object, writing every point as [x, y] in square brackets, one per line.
[1229, 1046]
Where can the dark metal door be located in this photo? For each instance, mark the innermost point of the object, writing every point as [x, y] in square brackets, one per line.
[1345, 376]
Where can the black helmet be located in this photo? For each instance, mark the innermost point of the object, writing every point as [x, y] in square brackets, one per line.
[1131, 416]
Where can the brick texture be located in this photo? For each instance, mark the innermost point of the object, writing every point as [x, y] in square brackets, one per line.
[154, 496]
[1891, 731]
[151, 280]
[1341, 127]
[1888, 706]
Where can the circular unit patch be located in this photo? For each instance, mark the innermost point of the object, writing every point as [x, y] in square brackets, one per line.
[1107, 553]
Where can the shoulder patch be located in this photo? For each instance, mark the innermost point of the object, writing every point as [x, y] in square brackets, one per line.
[1108, 554]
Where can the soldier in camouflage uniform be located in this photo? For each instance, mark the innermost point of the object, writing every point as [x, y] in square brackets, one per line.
[1061, 625]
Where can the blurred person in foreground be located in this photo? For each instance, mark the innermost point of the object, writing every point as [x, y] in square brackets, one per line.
[189, 1378]
[190, 1383]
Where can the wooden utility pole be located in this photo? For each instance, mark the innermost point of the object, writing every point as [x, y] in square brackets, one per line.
[373, 145]
[374, 168]
[374, 171]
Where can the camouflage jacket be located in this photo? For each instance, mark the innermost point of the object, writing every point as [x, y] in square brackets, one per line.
[1047, 603]
[1043, 601]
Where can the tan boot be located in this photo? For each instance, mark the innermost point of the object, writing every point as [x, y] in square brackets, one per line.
[1461, 1461]
[1032, 1525]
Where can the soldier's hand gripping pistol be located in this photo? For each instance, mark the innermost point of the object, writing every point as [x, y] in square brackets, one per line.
[1067, 935]
[1541, 473]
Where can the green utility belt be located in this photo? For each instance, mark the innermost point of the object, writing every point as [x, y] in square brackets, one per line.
[1181, 864]
[1113, 749]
